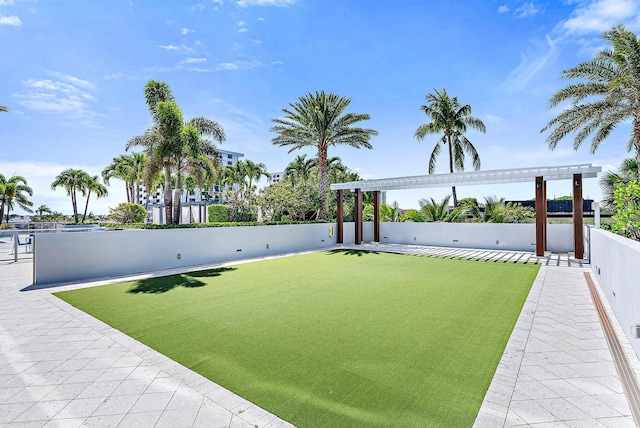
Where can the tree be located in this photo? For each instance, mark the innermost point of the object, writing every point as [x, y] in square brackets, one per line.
[14, 191]
[627, 171]
[43, 209]
[438, 212]
[127, 212]
[4, 109]
[255, 171]
[301, 168]
[452, 120]
[171, 143]
[318, 120]
[92, 185]
[123, 168]
[608, 96]
[73, 181]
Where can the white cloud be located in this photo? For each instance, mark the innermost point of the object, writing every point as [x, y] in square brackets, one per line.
[277, 3]
[260, 19]
[238, 65]
[527, 9]
[600, 15]
[530, 65]
[10, 20]
[67, 95]
[186, 31]
[169, 47]
[194, 60]
[503, 8]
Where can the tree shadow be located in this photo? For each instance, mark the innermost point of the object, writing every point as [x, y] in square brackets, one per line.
[168, 283]
[351, 252]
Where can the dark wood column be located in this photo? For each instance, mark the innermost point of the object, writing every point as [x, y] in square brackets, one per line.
[578, 233]
[376, 216]
[357, 216]
[541, 217]
[544, 229]
[340, 218]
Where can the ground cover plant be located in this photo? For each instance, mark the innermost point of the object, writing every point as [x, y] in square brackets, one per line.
[332, 339]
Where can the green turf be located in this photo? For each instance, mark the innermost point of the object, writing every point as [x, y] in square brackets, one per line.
[333, 339]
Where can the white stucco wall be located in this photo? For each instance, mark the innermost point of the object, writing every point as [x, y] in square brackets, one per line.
[518, 237]
[66, 257]
[615, 262]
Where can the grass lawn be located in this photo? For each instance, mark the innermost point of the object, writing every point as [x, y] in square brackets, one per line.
[332, 339]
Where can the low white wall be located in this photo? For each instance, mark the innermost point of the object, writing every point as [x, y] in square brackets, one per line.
[615, 262]
[66, 257]
[517, 237]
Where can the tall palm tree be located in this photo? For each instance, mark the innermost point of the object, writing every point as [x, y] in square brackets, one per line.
[608, 96]
[14, 191]
[93, 185]
[452, 120]
[4, 109]
[318, 120]
[73, 181]
[171, 142]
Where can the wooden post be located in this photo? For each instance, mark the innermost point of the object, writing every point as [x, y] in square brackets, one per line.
[340, 218]
[357, 216]
[578, 233]
[376, 216]
[541, 216]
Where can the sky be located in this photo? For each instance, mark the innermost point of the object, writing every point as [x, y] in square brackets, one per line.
[72, 75]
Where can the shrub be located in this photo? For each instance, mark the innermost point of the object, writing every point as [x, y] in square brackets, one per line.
[218, 213]
[627, 218]
[127, 213]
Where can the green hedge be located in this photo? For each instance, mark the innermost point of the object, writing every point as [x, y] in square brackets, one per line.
[218, 213]
[205, 225]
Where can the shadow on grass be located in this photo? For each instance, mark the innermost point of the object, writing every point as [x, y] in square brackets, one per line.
[351, 252]
[168, 283]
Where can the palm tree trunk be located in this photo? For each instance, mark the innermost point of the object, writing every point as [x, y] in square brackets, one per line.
[177, 195]
[86, 205]
[453, 188]
[138, 191]
[636, 139]
[322, 166]
[75, 205]
[127, 188]
[2, 213]
[167, 195]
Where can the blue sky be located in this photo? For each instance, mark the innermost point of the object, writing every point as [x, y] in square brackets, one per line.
[73, 74]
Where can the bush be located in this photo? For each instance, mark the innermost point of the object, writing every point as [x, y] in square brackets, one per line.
[627, 219]
[218, 213]
[127, 213]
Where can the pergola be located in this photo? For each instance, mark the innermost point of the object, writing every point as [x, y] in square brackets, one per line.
[540, 175]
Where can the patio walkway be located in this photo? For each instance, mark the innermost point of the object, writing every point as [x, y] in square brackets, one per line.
[61, 367]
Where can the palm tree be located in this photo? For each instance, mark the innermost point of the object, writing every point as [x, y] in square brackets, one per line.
[4, 109]
[123, 168]
[300, 168]
[171, 143]
[438, 212]
[609, 96]
[493, 210]
[255, 171]
[318, 120]
[42, 209]
[14, 191]
[92, 185]
[627, 171]
[452, 120]
[73, 181]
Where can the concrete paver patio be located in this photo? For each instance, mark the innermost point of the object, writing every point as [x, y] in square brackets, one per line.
[61, 367]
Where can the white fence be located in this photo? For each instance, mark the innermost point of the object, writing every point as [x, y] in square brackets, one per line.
[69, 257]
[615, 262]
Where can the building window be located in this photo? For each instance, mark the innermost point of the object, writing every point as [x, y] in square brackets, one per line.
[229, 163]
[229, 156]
